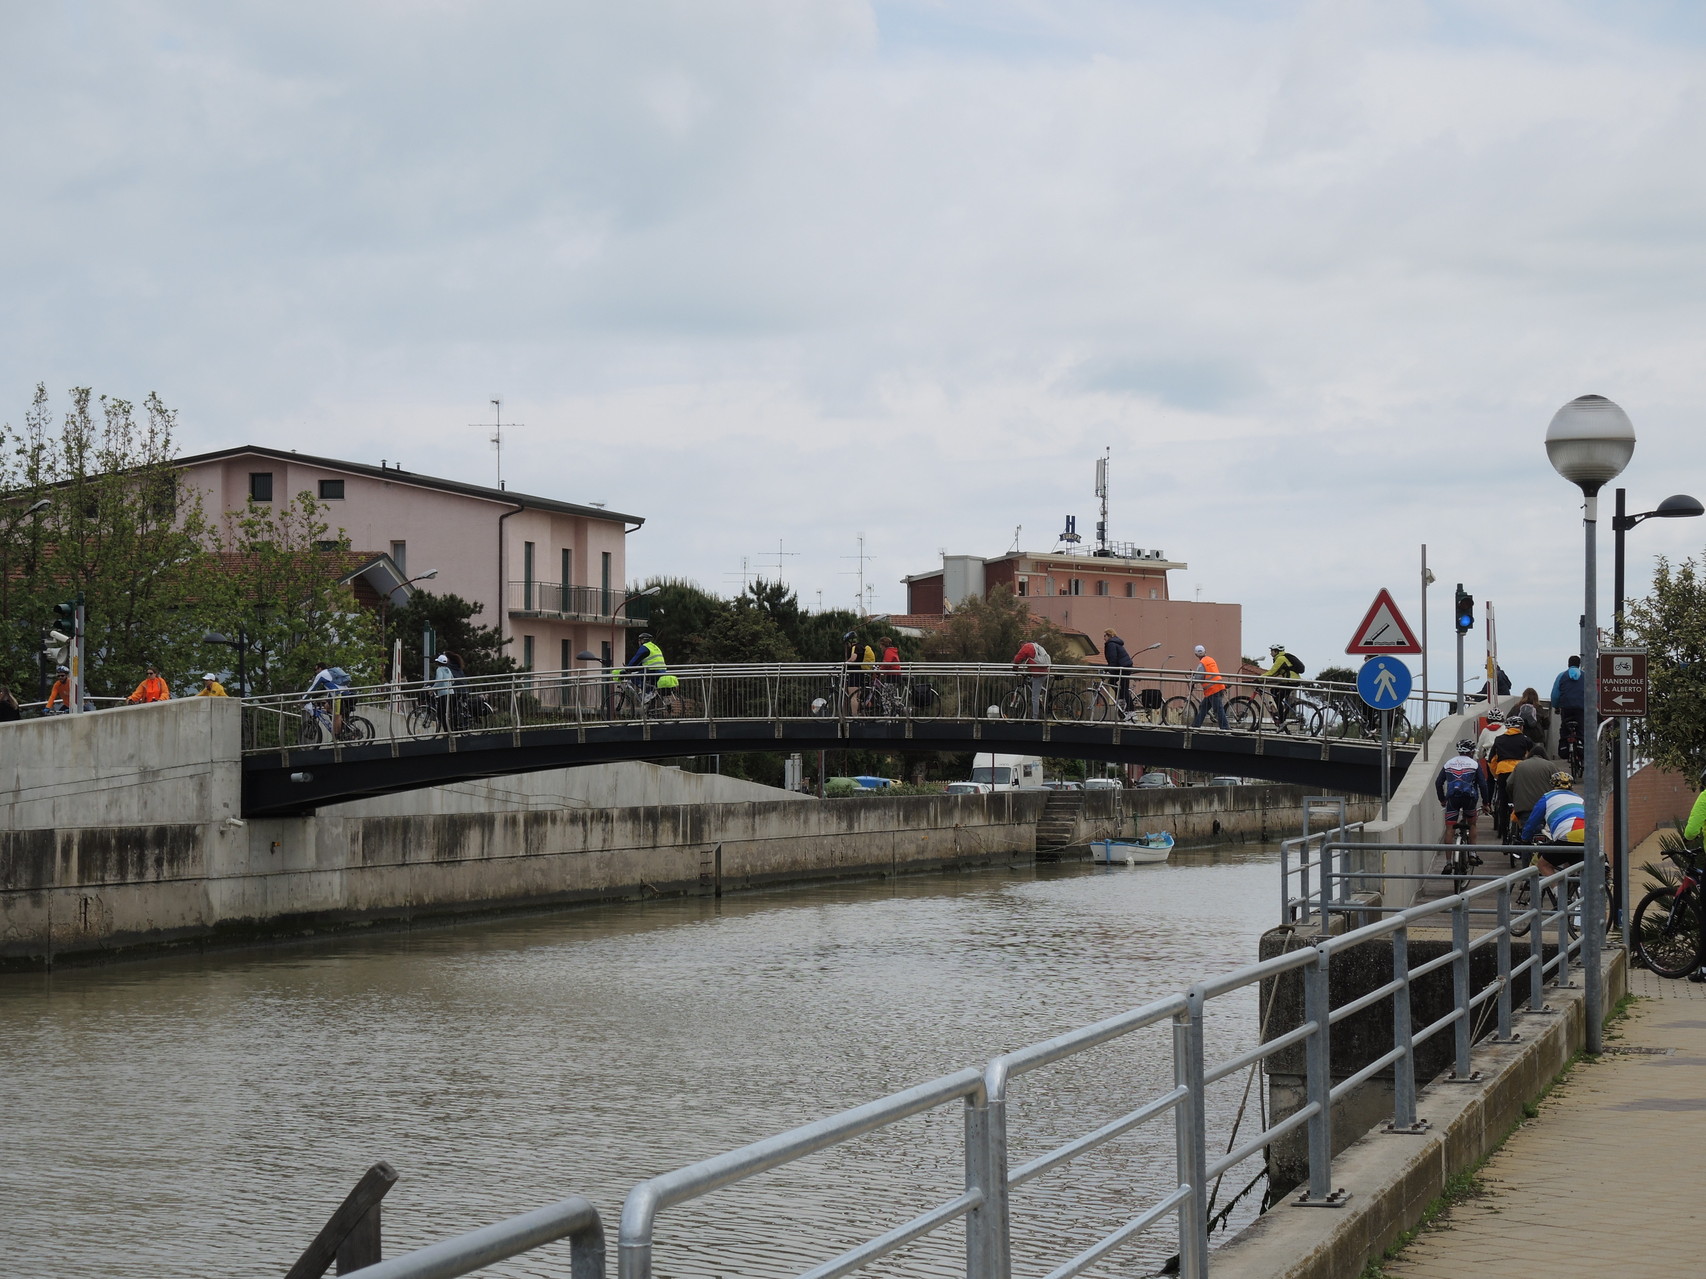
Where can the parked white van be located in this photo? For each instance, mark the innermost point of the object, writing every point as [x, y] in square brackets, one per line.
[1008, 772]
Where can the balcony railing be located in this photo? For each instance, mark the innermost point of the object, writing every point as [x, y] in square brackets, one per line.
[553, 599]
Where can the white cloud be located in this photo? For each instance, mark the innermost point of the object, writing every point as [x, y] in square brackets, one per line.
[1317, 274]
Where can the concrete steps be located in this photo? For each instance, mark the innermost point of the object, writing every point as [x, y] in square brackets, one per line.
[1058, 826]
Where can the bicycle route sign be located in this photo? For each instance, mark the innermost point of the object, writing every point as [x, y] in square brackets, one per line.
[1383, 630]
[1623, 682]
[1384, 682]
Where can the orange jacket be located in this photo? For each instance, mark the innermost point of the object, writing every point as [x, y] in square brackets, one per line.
[152, 689]
[61, 694]
[1210, 676]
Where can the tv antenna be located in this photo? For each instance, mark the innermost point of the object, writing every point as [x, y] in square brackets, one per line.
[780, 555]
[1017, 529]
[497, 435]
[859, 597]
[1102, 492]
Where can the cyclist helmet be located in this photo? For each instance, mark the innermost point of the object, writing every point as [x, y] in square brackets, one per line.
[644, 636]
[1466, 747]
[1561, 780]
[1200, 650]
[1276, 648]
[849, 637]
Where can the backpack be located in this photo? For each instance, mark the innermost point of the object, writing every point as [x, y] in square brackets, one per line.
[1042, 658]
[339, 676]
[1297, 666]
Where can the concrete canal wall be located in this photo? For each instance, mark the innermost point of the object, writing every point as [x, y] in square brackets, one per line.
[119, 831]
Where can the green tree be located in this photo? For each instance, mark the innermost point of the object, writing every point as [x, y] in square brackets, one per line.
[279, 581]
[1671, 623]
[679, 617]
[990, 629]
[451, 619]
[744, 632]
[92, 506]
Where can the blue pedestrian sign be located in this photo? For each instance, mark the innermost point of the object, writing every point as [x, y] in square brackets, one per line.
[1384, 682]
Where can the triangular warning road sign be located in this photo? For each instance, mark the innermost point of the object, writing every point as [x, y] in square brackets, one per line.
[1383, 630]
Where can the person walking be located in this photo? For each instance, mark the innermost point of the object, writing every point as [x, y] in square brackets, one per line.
[1033, 659]
[1118, 658]
[1529, 711]
[1285, 667]
[211, 687]
[9, 708]
[1213, 690]
[152, 689]
[445, 676]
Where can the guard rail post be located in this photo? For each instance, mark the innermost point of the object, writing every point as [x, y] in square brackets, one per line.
[1404, 1069]
[1536, 943]
[986, 1171]
[1561, 899]
[1504, 1032]
[1325, 870]
[1460, 986]
[1190, 1136]
[1318, 1063]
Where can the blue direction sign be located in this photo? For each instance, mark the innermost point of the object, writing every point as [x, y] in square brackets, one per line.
[1384, 682]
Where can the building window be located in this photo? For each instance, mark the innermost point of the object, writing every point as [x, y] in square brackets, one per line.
[527, 582]
[331, 490]
[400, 557]
[568, 569]
[1153, 594]
[604, 651]
[1101, 588]
[260, 486]
[604, 584]
[1024, 586]
[526, 652]
[1075, 586]
[565, 655]
[1131, 590]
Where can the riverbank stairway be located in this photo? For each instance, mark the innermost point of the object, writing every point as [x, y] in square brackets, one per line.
[1058, 826]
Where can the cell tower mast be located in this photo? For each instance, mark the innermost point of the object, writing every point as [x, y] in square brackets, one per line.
[1102, 492]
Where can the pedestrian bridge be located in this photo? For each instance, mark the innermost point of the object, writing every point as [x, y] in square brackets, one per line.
[404, 737]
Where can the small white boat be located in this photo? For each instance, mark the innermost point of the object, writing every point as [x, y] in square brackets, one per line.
[1146, 849]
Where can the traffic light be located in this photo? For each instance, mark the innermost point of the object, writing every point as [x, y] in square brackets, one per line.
[65, 617]
[1465, 611]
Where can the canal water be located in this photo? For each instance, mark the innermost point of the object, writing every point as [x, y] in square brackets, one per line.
[201, 1117]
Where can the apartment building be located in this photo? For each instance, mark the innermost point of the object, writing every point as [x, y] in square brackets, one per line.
[549, 574]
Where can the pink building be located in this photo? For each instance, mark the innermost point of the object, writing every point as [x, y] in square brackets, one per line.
[1086, 592]
[549, 574]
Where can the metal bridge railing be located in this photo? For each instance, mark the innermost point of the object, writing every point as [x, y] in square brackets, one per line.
[918, 691]
[1517, 904]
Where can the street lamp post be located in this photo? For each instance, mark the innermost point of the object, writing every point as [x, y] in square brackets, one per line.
[241, 644]
[1679, 506]
[1589, 442]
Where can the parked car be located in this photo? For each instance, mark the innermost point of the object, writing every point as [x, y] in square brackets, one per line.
[967, 788]
[1226, 781]
[1102, 783]
[1063, 785]
[874, 783]
[1151, 780]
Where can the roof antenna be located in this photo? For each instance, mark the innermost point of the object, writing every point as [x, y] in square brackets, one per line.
[497, 436]
[1017, 529]
[1102, 492]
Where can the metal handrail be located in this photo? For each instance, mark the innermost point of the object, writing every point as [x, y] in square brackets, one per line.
[574, 1219]
[985, 1198]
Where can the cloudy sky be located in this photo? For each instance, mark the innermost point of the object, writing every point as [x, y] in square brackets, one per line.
[791, 271]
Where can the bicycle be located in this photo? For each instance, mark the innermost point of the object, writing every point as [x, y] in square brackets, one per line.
[1181, 711]
[1058, 701]
[1102, 704]
[1549, 898]
[1462, 834]
[1570, 744]
[317, 724]
[1253, 711]
[1665, 928]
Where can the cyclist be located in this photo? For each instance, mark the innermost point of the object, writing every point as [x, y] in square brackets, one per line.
[1462, 786]
[1285, 667]
[1562, 817]
[646, 666]
[1527, 782]
[330, 682]
[1119, 667]
[1569, 695]
[59, 697]
[1506, 752]
[152, 689]
[1697, 815]
[1033, 659]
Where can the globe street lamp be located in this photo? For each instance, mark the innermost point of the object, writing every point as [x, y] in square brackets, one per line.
[1589, 443]
[1679, 506]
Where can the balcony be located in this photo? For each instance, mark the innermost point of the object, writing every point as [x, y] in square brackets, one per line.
[570, 603]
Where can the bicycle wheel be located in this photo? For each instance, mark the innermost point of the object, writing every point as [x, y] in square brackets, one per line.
[358, 728]
[1016, 705]
[309, 733]
[1519, 907]
[1666, 933]
[1302, 718]
[1178, 711]
[923, 699]
[625, 702]
[1064, 704]
[1102, 707]
[422, 720]
[1244, 714]
[1460, 861]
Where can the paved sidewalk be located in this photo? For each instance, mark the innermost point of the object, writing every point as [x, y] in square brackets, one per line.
[1606, 1180]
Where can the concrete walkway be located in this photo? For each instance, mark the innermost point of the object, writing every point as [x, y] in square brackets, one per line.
[1605, 1181]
